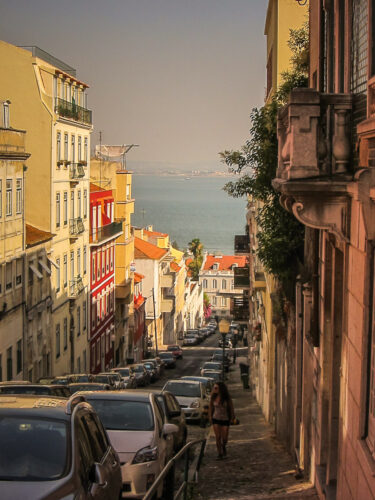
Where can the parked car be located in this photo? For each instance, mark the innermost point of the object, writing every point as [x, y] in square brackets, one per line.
[152, 371]
[84, 377]
[176, 351]
[168, 358]
[160, 364]
[64, 380]
[216, 375]
[119, 383]
[206, 332]
[127, 376]
[218, 357]
[228, 343]
[45, 380]
[192, 398]
[208, 382]
[194, 332]
[37, 389]
[141, 374]
[106, 378]
[135, 425]
[55, 448]
[173, 415]
[88, 386]
[190, 339]
[210, 365]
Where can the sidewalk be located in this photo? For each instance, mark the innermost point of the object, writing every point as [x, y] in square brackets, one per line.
[257, 466]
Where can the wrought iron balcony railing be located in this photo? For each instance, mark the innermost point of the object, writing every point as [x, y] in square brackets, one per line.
[241, 244]
[72, 111]
[76, 286]
[239, 308]
[76, 226]
[241, 277]
[76, 171]
[111, 230]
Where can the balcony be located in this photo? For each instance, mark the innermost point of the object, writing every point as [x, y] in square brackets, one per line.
[258, 277]
[314, 172]
[241, 278]
[105, 233]
[76, 172]
[241, 244]
[167, 281]
[75, 287]
[239, 308]
[76, 227]
[72, 111]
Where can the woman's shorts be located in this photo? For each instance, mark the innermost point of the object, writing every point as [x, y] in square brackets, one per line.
[224, 423]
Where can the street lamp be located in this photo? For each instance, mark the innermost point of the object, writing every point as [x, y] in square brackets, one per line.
[223, 329]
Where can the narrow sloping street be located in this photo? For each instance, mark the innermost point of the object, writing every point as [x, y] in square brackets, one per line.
[257, 466]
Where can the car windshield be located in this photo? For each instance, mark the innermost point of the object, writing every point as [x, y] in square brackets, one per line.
[183, 389]
[166, 355]
[103, 379]
[211, 366]
[149, 366]
[120, 415]
[124, 372]
[213, 374]
[32, 449]
[83, 378]
[138, 368]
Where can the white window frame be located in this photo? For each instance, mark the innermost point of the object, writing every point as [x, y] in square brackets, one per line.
[19, 196]
[57, 275]
[9, 197]
[58, 209]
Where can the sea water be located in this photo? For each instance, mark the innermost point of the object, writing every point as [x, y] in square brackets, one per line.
[187, 208]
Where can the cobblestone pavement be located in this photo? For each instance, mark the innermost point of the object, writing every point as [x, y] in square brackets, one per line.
[257, 466]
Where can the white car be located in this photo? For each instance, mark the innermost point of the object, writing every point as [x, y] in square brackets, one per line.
[211, 365]
[134, 423]
[190, 340]
[191, 396]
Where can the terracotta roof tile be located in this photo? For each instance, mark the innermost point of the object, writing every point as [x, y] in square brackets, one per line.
[155, 233]
[225, 262]
[145, 250]
[35, 236]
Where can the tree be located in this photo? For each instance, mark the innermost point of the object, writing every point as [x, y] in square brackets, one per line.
[196, 248]
[206, 306]
[281, 236]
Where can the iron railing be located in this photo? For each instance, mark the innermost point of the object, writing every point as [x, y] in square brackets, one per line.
[76, 171]
[76, 286]
[241, 277]
[76, 226]
[72, 111]
[190, 473]
[241, 244]
[104, 232]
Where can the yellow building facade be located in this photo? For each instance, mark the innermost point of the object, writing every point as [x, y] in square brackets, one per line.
[51, 104]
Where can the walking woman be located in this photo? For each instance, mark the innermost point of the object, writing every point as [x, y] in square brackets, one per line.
[221, 412]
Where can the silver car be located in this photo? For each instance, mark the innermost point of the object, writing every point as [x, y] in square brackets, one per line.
[55, 448]
[191, 396]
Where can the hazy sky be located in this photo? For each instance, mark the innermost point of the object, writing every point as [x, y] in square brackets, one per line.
[178, 77]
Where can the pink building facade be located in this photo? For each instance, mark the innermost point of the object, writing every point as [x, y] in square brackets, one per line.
[326, 178]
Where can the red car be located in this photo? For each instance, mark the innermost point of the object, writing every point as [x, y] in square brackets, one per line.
[176, 351]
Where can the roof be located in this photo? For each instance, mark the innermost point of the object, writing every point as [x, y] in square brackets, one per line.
[94, 188]
[138, 277]
[145, 250]
[154, 233]
[44, 406]
[175, 267]
[225, 262]
[113, 395]
[35, 236]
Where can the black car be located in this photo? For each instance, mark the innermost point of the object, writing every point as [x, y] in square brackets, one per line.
[55, 447]
[36, 389]
[168, 358]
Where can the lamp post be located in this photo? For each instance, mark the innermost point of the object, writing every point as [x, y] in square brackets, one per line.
[223, 329]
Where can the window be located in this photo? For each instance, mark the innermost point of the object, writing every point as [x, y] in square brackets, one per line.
[65, 270]
[93, 268]
[85, 152]
[19, 356]
[19, 196]
[85, 203]
[204, 283]
[84, 314]
[5, 114]
[19, 271]
[223, 301]
[9, 194]
[58, 146]
[128, 191]
[57, 209]
[224, 284]
[214, 283]
[65, 208]
[79, 204]
[66, 147]
[107, 260]
[79, 148]
[58, 275]
[84, 260]
[73, 150]
[65, 334]
[72, 204]
[214, 301]
[232, 284]
[93, 313]
[79, 261]
[72, 266]
[98, 265]
[8, 276]
[112, 252]
[103, 262]
[9, 364]
[78, 321]
[57, 340]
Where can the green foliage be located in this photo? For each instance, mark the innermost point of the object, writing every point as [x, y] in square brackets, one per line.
[281, 236]
[196, 248]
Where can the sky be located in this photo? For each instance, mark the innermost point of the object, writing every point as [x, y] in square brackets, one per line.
[177, 77]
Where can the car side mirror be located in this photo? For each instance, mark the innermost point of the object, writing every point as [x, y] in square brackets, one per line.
[169, 429]
[99, 475]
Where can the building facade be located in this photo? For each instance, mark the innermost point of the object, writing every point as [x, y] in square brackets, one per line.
[103, 233]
